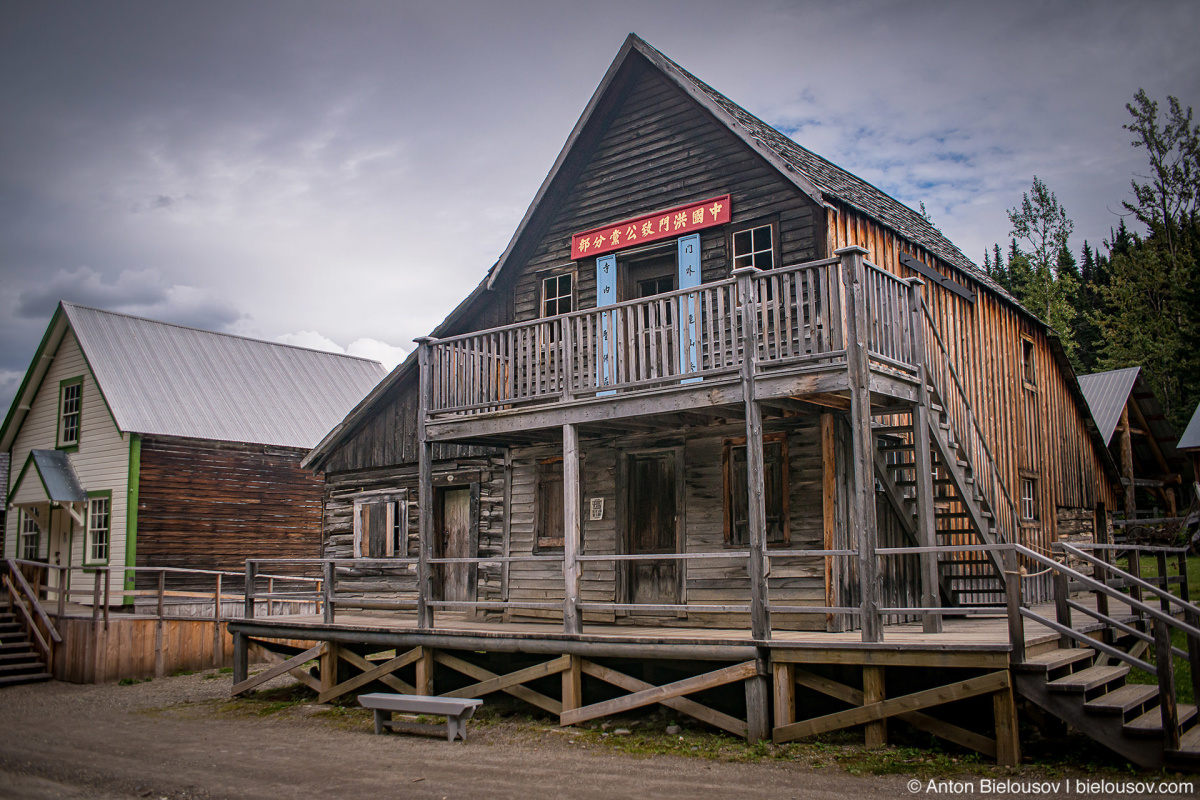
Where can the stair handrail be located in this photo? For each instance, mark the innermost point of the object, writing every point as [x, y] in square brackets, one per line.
[995, 476]
[1164, 622]
[33, 601]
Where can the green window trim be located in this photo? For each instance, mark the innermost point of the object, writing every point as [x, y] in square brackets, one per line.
[20, 548]
[69, 445]
[131, 514]
[88, 561]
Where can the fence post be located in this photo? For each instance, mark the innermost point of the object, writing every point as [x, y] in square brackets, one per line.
[1062, 612]
[567, 339]
[327, 589]
[158, 626]
[572, 622]
[1135, 569]
[218, 650]
[1165, 665]
[425, 616]
[251, 574]
[1012, 591]
[862, 507]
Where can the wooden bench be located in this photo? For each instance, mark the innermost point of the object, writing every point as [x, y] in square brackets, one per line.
[456, 711]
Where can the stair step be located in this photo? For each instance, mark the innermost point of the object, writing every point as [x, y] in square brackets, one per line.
[1088, 679]
[884, 430]
[13, 680]
[32, 665]
[898, 447]
[1056, 659]
[1189, 746]
[17, 655]
[1121, 701]
[1150, 723]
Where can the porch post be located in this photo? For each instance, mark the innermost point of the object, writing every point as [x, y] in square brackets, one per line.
[760, 613]
[862, 506]
[424, 490]
[572, 622]
[926, 534]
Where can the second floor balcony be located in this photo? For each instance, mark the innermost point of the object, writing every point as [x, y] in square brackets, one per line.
[787, 332]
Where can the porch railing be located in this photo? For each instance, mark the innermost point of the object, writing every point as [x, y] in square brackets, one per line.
[668, 339]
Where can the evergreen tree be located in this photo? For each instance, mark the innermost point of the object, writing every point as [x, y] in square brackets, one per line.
[1044, 225]
[1089, 341]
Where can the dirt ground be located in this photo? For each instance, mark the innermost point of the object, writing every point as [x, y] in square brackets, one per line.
[181, 737]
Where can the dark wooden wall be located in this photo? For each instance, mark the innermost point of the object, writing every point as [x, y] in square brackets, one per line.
[662, 150]
[211, 505]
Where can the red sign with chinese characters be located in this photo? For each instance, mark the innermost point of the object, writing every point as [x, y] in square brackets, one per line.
[651, 227]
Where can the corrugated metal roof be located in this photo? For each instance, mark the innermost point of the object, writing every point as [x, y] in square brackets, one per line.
[58, 476]
[169, 380]
[1191, 435]
[1106, 394]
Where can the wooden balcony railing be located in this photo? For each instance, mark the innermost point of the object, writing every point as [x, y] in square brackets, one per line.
[674, 338]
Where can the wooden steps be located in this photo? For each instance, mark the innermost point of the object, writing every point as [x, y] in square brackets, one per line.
[1130, 698]
[1088, 679]
[18, 661]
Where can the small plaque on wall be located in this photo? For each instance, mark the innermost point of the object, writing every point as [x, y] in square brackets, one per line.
[596, 505]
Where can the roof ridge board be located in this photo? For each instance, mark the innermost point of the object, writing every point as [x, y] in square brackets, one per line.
[68, 305]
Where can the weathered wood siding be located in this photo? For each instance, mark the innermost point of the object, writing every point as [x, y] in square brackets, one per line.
[211, 505]
[799, 581]
[341, 489]
[101, 461]
[1038, 432]
[661, 150]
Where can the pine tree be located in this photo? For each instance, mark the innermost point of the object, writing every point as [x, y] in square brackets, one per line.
[1044, 225]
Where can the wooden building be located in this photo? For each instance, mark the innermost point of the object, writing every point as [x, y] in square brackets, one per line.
[137, 443]
[1141, 440]
[725, 416]
[594, 395]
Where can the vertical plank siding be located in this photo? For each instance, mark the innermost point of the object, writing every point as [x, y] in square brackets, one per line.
[1038, 432]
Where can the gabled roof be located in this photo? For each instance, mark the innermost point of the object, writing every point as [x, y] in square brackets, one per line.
[1191, 435]
[1106, 394]
[820, 179]
[170, 380]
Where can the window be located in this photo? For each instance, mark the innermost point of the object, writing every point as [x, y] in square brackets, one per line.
[98, 526]
[775, 484]
[1028, 363]
[30, 539]
[1029, 499]
[557, 295]
[70, 395]
[549, 534]
[754, 247]
[381, 525]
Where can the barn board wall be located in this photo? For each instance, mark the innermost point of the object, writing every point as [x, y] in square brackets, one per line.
[1040, 431]
[212, 505]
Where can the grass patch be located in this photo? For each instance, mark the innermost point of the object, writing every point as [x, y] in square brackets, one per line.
[1183, 672]
[133, 681]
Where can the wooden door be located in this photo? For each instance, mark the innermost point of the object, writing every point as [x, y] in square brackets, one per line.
[652, 527]
[454, 540]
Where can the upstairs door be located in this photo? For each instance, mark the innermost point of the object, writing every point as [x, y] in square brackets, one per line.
[652, 527]
[454, 541]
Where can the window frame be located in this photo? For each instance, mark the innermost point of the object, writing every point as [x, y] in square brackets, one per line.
[557, 274]
[1028, 363]
[89, 560]
[1030, 482]
[763, 222]
[60, 443]
[22, 544]
[541, 542]
[727, 448]
[397, 519]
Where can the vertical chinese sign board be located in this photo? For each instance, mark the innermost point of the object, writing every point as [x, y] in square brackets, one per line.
[683, 222]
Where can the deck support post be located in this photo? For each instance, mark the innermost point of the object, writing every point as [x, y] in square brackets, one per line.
[1008, 740]
[424, 672]
[758, 568]
[758, 707]
[241, 658]
[572, 623]
[1126, 441]
[862, 506]
[785, 693]
[926, 534]
[874, 692]
[251, 577]
[424, 489]
[1012, 594]
[572, 685]
[328, 662]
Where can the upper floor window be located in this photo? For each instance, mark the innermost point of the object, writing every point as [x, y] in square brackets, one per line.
[1028, 363]
[754, 247]
[31, 536]
[98, 526]
[69, 405]
[1029, 499]
[558, 294]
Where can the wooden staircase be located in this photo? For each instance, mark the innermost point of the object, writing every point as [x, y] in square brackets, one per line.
[19, 662]
[1076, 686]
[962, 514]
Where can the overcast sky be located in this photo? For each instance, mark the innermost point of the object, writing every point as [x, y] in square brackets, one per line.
[341, 174]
